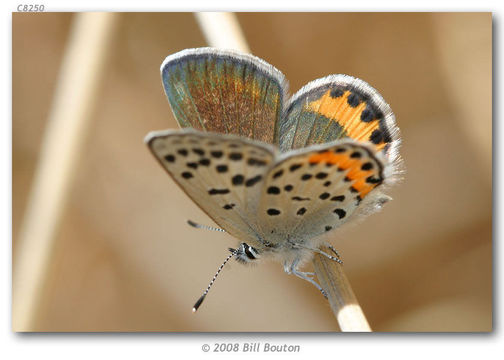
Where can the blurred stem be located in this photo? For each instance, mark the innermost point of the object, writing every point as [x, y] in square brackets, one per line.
[74, 100]
[222, 30]
[341, 298]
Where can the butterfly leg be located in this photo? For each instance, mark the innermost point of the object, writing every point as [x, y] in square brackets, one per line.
[337, 259]
[292, 269]
[334, 251]
[318, 251]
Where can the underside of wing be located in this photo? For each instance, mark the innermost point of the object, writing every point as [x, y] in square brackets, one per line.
[338, 107]
[222, 174]
[315, 190]
[225, 92]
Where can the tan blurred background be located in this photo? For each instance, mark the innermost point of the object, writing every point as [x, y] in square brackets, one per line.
[124, 258]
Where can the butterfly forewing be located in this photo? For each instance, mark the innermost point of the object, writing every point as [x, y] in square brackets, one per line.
[315, 190]
[222, 174]
[337, 107]
[225, 92]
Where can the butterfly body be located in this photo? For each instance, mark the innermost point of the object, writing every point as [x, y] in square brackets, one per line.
[276, 174]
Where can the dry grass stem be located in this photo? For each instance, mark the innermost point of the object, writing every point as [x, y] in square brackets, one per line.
[73, 104]
[341, 298]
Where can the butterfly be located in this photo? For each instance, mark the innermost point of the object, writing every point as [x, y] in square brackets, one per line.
[275, 173]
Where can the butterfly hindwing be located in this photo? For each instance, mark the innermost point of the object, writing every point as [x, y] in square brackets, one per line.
[224, 92]
[222, 174]
[315, 190]
[337, 107]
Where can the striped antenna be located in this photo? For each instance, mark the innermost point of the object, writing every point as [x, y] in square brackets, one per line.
[206, 227]
[202, 297]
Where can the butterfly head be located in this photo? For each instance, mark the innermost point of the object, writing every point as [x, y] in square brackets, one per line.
[245, 253]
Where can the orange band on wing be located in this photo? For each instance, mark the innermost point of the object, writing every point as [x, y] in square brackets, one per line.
[353, 166]
[348, 117]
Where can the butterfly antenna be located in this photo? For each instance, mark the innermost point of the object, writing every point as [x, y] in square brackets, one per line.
[206, 227]
[202, 297]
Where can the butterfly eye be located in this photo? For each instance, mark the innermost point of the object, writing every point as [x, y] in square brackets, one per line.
[251, 252]
[246, 253]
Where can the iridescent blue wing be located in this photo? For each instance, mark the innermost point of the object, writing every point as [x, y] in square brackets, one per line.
[224, 92]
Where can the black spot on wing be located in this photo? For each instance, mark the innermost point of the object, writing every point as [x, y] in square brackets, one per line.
[376, 136]
[301, 211]
[294, 167]
[367, 115]
[253, 181]
[367, 166]
[324, 196]
[336, 93]
[256, 162]
[373, 180]
[340, 212]
[218, 191]
[204, 162]
[237, 179]
[278, 174]
[235, 156]
[354, 99]
[216, 154]
[273, 212]
[199, 151]
[187, 175]
[273, 190]
[170, 158]
[299, 198]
